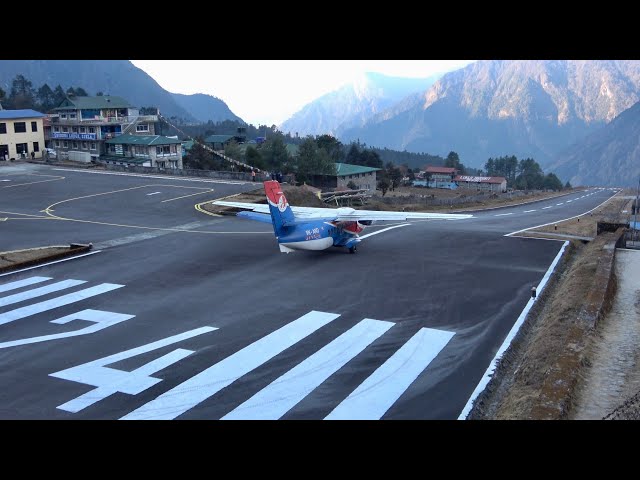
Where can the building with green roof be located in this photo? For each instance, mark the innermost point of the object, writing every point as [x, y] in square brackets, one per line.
[364, 178]
[80, 125]
[145, 150]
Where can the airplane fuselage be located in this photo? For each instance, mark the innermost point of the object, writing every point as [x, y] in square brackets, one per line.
[319, 235]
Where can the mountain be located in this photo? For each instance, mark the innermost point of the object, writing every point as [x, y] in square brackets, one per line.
[114, 77]
[608, 157]
[492, 108]
[353, 104]
[205, 107]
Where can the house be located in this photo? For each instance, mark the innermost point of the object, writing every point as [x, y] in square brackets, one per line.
[21, 134]
[218, 142]
[364, 178]
[492, 184]
[437, 177]
[79, 127]
[144, 150]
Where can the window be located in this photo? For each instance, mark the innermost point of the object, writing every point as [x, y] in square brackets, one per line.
[163, 150]
[84, 146]
[19, 127]
[72, 116]
[56, 129]
[82, 130]
[36, 147]
[142, 127]
[63, 116]
[21, 148]
[92, 129]
[93, 145]
[74, 129]
[34, 127]
[3, 128]
[65, 144]
[65, 129]
[57, 143]
[75, 144]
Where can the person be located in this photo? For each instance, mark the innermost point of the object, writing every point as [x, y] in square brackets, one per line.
[279, 177]
[33, 155]
[253, 175]
[273, 175]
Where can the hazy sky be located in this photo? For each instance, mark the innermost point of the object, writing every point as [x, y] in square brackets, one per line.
[268, 92]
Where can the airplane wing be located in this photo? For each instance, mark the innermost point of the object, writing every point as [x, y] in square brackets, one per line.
[344, 214]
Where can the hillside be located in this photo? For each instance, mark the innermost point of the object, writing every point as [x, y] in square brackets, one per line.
[528, 108]
[205, 108]
[609, 156]
[353, 104]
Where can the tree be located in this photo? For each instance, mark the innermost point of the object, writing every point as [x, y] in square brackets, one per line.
[352, 185]
[22, 94]
[70, 92]
[332, 146]
[99, 94]
[312, 160]
[253, 157]
[275, 155]
[394, 175]
[383, 184]
[59, 95]
[232, 150]
[3, 96]
[81, 92]
[46, 98]
[567, 185]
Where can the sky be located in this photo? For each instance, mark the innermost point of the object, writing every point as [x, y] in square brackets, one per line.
[268, 92]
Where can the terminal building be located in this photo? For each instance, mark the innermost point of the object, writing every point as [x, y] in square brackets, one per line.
[79, 128]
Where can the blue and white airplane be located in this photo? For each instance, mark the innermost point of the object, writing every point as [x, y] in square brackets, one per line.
[316, 228]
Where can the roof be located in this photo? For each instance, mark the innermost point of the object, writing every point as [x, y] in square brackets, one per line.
[187, 144]
[15, 114]
[142, 140]
[472, 179]
[448, 170]
[343, 169]
[218, 138]
[93, 103]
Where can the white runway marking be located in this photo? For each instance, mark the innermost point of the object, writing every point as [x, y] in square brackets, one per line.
[38, 292]
[503, 214]
[198, 388]
[50, 263]
[374, 396]
[559, 203]
[280, 396]
[56, 302]
[110, 380]
[22, 283]
[528, 211]
[550, 206]
[153, 193]
[385, 229]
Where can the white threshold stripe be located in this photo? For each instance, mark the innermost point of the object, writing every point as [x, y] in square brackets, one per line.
[38, 292]
[384, 230]
[528, 211]
[484, 381]
[374, 396]
[280, 396]
[22, 283]
[56, 302]
[198, 388]
[559, 203]
[51, 263]
[550, 206]
[503, 214]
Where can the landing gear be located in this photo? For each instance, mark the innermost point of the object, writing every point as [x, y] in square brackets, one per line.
[353, 249]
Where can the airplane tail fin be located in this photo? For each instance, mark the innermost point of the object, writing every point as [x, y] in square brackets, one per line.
[281, 212]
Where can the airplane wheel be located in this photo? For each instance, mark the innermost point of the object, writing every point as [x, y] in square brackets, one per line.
[353, 249]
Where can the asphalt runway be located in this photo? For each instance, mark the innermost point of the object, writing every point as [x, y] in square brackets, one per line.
[176, 314]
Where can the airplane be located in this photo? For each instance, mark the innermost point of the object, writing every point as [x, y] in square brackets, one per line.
[317, 228]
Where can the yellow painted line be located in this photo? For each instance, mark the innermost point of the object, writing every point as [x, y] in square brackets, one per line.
[198, 207]
[185, 196]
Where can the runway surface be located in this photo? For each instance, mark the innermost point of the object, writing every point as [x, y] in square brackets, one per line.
[176, 314]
